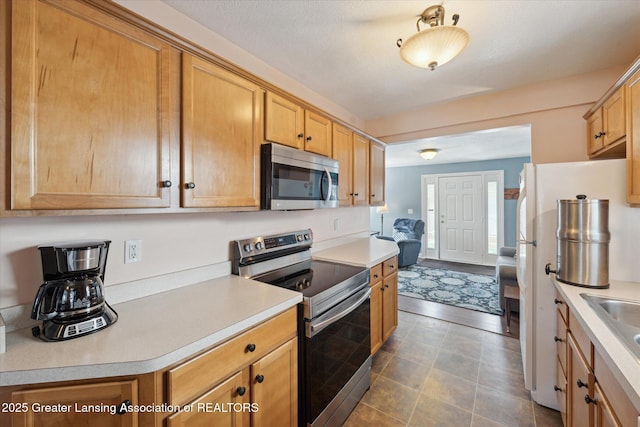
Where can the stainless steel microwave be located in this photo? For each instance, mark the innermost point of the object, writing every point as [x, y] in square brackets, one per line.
[293, 179]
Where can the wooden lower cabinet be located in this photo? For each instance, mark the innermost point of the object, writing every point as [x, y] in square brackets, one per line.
[384, 302]
[588, 393]
[98, 404]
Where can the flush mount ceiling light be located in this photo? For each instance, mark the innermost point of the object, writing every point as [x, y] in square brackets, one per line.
[428, 154]
[436, 45]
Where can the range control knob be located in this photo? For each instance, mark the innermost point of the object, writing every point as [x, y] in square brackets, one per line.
[247, 247]
[306, 236]
[259, 246]
[299, 237]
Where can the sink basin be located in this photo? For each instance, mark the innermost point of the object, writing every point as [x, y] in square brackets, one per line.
[621, 316]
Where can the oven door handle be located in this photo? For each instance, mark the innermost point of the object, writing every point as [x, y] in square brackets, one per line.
[320, 323]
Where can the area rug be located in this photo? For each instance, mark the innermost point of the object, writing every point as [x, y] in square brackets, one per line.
[466, 290]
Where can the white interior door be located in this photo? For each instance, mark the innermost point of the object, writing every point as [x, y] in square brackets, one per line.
[461, 218]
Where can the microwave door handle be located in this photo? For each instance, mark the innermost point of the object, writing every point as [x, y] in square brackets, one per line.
[330, 185]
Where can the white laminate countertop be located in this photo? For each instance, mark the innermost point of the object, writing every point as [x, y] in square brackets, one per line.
[365, 252]
[625, 367]
[151, 332]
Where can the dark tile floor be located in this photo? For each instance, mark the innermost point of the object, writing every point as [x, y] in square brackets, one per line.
[436, 373]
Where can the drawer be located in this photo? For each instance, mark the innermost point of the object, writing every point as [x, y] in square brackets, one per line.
[561, 342]
[582, 340]
[390, 266]
[196, 376]
[618, 400]
[376, 274]
[561, 393]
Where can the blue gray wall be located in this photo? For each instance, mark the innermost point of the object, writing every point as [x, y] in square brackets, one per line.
[403, 186]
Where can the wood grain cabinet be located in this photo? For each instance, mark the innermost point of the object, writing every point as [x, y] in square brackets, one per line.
[249, 380]
[97, 404]
[290, 124]
[343, 153]
[376, 174]
[606, 128]
[91, 100]
[632, 98]
[384, 301]
[221, 137]
[360, 170]
[588, 393]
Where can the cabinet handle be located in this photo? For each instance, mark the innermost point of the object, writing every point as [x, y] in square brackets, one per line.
[579, 383]
[356, 194]
[300, 135]
[251, 348]
[190, 185]
[375, 276]
[556, 339]
[392, 266]
[351, 194]
[259, 378]
[557, 301]
[556, 388]
[373, 195]
[241, 391]
[309, 138]
[588, 400]
[122, 408]
[386, 286]
[165, 184]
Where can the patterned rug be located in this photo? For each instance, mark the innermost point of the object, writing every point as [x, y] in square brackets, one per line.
[466, 290]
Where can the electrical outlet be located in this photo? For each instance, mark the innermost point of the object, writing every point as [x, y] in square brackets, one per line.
[409, 211]
[132, 251]
[336, 224]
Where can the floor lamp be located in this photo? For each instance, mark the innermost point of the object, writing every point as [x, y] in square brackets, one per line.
[382, 210]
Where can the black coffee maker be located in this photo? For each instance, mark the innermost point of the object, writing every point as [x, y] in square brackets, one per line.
[71, 301]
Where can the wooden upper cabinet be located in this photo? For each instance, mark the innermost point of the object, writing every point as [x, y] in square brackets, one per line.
[343, 153]
[360, 170]
[289, 124]
[613, 118]
[376, 174]
[284, 121]
[632, 89]
[606, 128]
[221, 137]
[90, 110]
[595, 140]
[317, 130]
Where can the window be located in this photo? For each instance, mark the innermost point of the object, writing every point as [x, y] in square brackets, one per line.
[492, 217]
[431, 216]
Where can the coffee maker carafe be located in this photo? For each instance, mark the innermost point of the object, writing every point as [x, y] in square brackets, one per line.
[71, 300]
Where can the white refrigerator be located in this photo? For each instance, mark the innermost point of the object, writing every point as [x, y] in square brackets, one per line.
[540, 187]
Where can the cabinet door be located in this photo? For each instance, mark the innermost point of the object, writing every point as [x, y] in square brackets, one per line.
[91, 110]
[284, 121]
[561, 392]
[633, 139]
[360, 170]
[343, 153]
[603, 414]
[578, 386]
[317, 131]
[274, 390]
[389, 305]
[613, 118]
[595, 140]
[219, 406]
[221, 137]
[104, 398]
[376, 174]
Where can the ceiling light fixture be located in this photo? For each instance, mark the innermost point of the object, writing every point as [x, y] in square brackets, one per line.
[428, 154]
[436, 45]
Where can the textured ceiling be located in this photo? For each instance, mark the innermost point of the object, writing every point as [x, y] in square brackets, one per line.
[345, 50]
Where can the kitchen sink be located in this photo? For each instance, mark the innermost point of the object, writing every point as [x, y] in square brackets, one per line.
[621, 316]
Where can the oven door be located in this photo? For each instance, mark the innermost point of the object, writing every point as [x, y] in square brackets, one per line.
[337, 349]
[293, 179]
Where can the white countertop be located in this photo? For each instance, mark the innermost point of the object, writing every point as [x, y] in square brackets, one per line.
[151, 332]
[625, 367]
[364, 252]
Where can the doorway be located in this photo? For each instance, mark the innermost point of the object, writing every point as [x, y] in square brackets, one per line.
[463, 215]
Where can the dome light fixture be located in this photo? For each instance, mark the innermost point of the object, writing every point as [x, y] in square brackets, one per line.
[429, 153]
[436, 45]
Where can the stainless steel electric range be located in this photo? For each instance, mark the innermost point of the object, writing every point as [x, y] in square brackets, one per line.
[334, 340]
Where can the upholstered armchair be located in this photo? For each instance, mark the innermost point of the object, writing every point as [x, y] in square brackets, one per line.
[407, 233]
[506, 271]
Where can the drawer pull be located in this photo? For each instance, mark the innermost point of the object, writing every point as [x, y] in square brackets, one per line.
[556, 388]
[556, 339]
[392, 266]
[579, 383]
[557, 301]
[241, 391]
[588, 400]
[122, 408]
[259, 378]
[251, 348]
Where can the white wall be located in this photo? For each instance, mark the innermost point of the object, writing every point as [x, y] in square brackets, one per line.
[170, 242]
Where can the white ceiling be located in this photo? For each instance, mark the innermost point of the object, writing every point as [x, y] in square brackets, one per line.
[345, 50]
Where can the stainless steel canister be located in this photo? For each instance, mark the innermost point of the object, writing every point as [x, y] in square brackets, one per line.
[583, 242]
